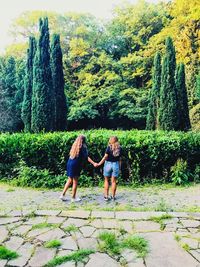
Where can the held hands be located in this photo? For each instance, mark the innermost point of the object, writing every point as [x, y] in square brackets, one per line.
[96, 164]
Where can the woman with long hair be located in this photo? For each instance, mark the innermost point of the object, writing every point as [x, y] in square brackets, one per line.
[112, 159]
[78, 154]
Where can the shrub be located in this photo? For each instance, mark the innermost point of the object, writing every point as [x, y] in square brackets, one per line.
[179, 172]
[40, 159]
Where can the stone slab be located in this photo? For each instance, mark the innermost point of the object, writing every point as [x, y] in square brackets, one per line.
[76, 214]
[41, 257]
[103, 214]
[101, 260]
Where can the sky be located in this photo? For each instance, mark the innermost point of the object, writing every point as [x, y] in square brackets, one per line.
[11, 9]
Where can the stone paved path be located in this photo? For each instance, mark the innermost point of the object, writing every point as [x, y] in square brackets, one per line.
[150, 198]
[173, 242]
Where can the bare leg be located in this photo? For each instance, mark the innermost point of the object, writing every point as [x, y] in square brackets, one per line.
[106, 186]
[114, 186]
[67, 185]
[74, 187]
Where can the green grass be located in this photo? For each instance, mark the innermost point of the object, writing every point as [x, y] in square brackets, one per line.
[53, 244]
[77, 256]
[71, 228]
[177, 237]
[159, 219]
[185, 247]
[137, 243]
[109, 243]
[10, 190]
[44, 225]
[6, 254]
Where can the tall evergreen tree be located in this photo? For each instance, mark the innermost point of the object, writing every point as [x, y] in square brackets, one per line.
[152, 116]
[168, 116]
[43, 104]
[28, 85]
[58, 84]
[182, 99]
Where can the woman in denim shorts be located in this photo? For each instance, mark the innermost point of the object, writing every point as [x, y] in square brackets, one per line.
[112, 159]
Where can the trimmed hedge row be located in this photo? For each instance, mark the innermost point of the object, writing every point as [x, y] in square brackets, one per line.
[146, 154]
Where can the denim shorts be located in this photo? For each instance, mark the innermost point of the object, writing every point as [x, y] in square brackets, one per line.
[111, 169]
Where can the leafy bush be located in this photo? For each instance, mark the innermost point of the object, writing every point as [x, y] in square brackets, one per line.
[40, 159]
[179, 172]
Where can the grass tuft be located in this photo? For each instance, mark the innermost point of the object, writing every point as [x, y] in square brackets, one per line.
[76, 256]
[53, 244]
[6, 254]
[71, 228]
[109, 243]
[139, 244]
[44, 225]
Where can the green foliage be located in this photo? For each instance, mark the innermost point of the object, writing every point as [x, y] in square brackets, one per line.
[71, 228]
[28, 85]
[53, 244]
[77, 256]
[182, 99]
[58, 84]
[6, 254]
[109, 243]
[179, 172]
[44, 225]
[43, 98]
[168, 117]
[40, 159]
[152, 116]
[138, 243]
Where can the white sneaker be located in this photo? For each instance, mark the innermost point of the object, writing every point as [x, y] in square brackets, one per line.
[63, 198]
[76, 199]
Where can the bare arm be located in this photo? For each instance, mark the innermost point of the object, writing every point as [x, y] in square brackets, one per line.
[91, 161]
[103, 159]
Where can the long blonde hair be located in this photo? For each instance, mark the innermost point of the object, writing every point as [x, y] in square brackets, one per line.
[76, 147]
[114, 145]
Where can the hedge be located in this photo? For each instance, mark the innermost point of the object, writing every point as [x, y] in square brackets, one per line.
[147, 155]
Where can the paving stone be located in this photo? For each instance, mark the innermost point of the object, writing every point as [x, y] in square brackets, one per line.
[134, 215]
[22, 230]
[35, 220]
[170, 228]
[7, 220]
[12, 226]
[52, 234]
[75, 222]
[63, 252]
[47, 212]
[68, 243]
[110, 223]
[145, 226]
[87, 243]
[97, 223]
[165, 251]
[196, 255]
[126, 225]
[16, 213]
[103, 214]
[25, 253]
[87, 231]
[192, 243]
[179, 214]
[3, 233]
[41, 257]
[3, 263]
[101, 260]
[14, 243]
[132, 259]
[55, 219]
[193, 230]
[75, 214]
[37, 232]
[181, 230]
[190, 223]
[68, 264]
[171, 221]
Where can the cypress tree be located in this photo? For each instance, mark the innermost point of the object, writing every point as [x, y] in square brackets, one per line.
[28, 84]
[58, 84]
[152, 116]
[43, 104]
[168, 116]
[182, 99]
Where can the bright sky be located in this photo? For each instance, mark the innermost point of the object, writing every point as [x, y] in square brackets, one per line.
[11, 9]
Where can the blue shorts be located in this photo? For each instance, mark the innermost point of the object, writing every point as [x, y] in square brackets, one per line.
[111, 169]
